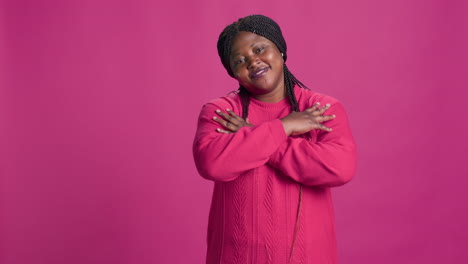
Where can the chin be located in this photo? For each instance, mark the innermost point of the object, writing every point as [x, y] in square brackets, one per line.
[262, 86]
[257, 89]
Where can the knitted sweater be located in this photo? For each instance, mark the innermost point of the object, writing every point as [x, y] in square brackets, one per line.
[258, 213]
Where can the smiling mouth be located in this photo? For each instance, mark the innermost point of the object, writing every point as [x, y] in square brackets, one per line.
[259, 73]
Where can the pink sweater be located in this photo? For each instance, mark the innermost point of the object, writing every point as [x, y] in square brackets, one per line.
[258, 172]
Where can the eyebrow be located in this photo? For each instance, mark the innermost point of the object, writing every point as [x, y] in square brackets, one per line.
[233, 55]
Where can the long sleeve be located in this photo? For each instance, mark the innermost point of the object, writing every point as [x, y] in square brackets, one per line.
[328, 161]
[223, 157]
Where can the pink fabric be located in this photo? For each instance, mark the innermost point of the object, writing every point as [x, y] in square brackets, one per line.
[257, 173]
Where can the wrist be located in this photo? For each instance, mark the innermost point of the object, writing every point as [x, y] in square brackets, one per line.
[286, 127]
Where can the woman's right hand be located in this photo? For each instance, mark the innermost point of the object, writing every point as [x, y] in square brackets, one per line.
[298, 123]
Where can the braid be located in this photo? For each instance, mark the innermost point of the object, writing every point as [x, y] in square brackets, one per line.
[245, 101]
[266, 27]
[289, 82]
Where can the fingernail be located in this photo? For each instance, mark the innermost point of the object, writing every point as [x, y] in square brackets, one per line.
[334, 116]
[328, 105]
[318, 103]
[227, 109]
[214, 117]
[218, 111]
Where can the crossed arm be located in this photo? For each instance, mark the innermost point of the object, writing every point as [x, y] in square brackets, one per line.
[226, 145]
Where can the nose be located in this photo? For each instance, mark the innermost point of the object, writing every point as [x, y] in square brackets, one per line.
[253, 60]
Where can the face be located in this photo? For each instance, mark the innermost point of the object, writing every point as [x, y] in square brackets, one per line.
[257, 64]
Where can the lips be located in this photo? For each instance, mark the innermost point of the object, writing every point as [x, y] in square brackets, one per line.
[259, 73]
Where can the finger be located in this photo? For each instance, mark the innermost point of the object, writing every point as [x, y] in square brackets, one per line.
[313, 108]
[321, 110]
[324, 128]
[326, 118]
[227, 117]
[234, 114]
[219, 120]
[225, 124]
[223, 131]
[247, 121]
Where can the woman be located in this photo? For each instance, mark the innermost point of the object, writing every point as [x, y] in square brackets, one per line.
[273, 149]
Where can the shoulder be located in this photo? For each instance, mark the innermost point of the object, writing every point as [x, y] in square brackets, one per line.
[230, 100]
[308, 98]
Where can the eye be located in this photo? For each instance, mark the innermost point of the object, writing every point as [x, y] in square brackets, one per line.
[259, 49]
[239, 61]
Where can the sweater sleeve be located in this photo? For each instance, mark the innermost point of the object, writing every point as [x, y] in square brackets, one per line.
[223, 157]
[328, 161]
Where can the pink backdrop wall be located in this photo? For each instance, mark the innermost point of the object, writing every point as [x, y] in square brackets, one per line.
[98, 108]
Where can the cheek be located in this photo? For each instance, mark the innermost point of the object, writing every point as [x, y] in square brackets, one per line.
[273, 59]
[239, 77]
[240, 73]
[236, 74]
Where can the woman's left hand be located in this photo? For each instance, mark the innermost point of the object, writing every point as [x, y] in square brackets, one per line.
[231, 122]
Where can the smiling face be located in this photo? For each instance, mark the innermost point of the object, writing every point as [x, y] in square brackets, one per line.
[258, 66]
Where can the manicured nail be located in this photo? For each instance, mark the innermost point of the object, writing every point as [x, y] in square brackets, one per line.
[333, 116]
[227, 109]
[218, 111]
[327, 105]
[214, 117]
[318, 103]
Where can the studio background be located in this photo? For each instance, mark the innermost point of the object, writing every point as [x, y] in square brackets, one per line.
[99, 102]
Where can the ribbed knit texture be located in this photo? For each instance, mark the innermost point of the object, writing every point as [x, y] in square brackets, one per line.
[257, 172]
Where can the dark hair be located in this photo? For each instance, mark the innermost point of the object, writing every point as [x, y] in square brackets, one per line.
[267, 28]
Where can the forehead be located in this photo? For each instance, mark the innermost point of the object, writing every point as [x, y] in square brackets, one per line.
[245, 39]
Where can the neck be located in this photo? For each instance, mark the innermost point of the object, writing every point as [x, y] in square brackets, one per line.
[273, 97]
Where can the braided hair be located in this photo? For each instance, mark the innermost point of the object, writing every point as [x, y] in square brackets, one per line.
[267, 28]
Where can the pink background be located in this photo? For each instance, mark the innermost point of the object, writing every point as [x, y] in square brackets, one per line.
[98, 109]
